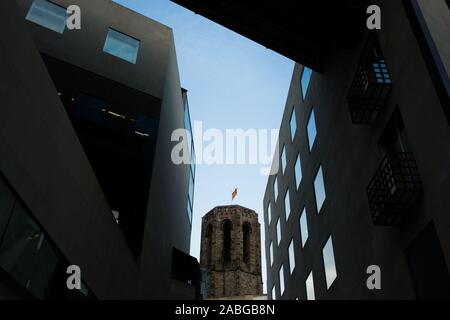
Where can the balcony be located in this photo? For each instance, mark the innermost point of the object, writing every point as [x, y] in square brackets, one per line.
[394, 190]
[371, 85]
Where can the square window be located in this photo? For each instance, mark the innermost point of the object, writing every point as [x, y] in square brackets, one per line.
[121, 46]
[291, 256]
[278, 232]
[312, 131]
[329, 263]
[283, 159]
[304, 227]
[310, 295]
[293, 123]
[281, 278]
[298, 171]
[319, 188]
[306, 77]
[287, 205]
[48, 15]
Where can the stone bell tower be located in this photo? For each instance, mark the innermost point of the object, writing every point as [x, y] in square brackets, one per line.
[231, 252]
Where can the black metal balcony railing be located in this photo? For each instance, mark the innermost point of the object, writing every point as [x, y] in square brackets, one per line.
[394, 190]
[371, 85]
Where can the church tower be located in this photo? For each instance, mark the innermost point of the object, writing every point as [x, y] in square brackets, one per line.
[231, 252]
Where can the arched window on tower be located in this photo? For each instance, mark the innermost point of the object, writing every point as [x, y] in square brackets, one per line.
[209, 234]
[226, 226]
[246, 231]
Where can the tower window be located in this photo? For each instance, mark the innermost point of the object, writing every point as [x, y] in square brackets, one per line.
[209, 233]
[227, 241]
[246, 231]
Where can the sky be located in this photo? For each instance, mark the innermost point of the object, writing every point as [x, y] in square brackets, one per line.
[232, 83]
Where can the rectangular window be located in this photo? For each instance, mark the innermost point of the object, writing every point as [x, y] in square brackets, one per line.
[273, 293]
[291, 256]
[298, 171]
[328, 262]
[283, 159]
[121, 46]
[319, 189]
[306, 77]
[310, 295]
[278, 232]
[312, 130]
[293, 123]
[275, 188]
[281, 276]
[269, 214]
[271, 253]
[287, 205]
[48, 15]
[304, 227]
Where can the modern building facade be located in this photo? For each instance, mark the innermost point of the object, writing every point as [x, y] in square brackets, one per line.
[87, 177]
[364, 149]
[230, 254]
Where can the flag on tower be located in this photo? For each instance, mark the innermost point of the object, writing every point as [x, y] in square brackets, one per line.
[234, 194]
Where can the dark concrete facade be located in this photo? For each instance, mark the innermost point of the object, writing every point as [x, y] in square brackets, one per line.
[44, 161]
[231, 252]
[414, 256]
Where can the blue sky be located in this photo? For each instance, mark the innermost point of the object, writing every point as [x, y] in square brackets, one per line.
[233, 83]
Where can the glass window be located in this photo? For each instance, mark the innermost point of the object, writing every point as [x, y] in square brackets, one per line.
[293, 123]
[273, 293]
[287, 205]
[329, 264]
[269, 213]
[26, 254]
[7, 200]
[310, 295]
[281, 276]
[48, 15]
[319, 188]
[304, 228]
[278, 231]
[306, 77]
[121, 46]
[298, 171]
[283, 159]
[275, 188]
[291, 256]
[312, 131]
[271, 253]
[189, 212]
[191, 188]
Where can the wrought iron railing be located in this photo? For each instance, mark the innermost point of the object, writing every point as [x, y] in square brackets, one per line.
[371, 85]
[395, 189]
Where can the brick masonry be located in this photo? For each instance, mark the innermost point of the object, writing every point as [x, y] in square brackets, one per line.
[236, 277]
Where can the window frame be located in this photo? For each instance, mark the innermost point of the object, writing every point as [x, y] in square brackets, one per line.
[312, 115]
[302, 89]
[127, 36]
[321, 171]
[29, 17]
[329, 280]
